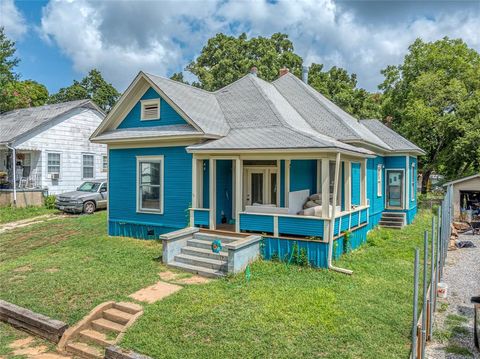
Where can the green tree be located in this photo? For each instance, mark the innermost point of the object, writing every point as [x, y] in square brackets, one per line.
[225, 59]
[21, 94]
[8, 62]
[433, 99]
[93, 86]
[341, 88]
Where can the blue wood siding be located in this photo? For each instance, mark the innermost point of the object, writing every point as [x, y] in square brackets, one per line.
[224, 189]
[355, 183]
[363, 216]
[201, 218]
[345, 222]
[377, 203]
[123, 187]
[355, 219]
[141, 230]
[168, 116]
[336, 227]
[303, 175]
[206, 184]
[317, 252]
[256, 223]
[395, 162]
[300, 226]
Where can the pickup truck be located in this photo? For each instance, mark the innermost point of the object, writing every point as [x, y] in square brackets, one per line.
[88, 197]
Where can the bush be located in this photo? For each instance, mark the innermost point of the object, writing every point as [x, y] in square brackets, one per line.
[50, 201]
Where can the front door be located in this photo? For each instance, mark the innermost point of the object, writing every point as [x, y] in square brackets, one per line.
[261, 186]
[394, 189]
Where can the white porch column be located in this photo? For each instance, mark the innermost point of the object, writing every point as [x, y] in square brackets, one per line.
[287, 181]
[212, 192]
[348, 185]
[325, 188]
[363, 183]
[238, 192]
[194, 182]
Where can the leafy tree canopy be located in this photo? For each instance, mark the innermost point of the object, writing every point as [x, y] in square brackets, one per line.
[433, 99]
[21, 94]
[93, 86]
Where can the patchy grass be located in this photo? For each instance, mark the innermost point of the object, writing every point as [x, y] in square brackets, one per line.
[64, 268]
[289, 311]
[12, 214]
[458, 350]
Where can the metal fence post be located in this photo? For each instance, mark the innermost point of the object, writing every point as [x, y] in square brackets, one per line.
[415, 305]
[424, 303]
[432, 281]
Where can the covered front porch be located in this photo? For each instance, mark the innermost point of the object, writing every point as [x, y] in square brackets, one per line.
[20, 168]
[303, 196]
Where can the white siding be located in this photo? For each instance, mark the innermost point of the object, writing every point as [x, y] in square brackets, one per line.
[70, 138]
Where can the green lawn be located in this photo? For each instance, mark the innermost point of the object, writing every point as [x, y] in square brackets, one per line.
[65, 267]
[11, 214]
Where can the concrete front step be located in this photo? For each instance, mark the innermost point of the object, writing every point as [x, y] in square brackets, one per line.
[212, 237]
[105, 325]
[388, 220]
[130, 308]
[204, 253]
[391, 225]
[204, 272]
[117, 316]
[200, 243]
[219, 265]
[84, 350]
[90, 335]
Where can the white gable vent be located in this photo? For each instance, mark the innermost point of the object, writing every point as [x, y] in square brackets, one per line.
[150, 109]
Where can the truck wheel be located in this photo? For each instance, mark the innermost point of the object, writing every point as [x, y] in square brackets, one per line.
[89, 207]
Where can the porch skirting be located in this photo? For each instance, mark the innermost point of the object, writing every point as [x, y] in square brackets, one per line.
[25, 197]
[139, 230]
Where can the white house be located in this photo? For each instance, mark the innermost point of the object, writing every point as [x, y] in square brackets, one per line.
[47, 148]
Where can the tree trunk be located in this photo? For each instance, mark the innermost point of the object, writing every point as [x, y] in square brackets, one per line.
[425, 177]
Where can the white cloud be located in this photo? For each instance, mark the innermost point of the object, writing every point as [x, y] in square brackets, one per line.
[12, 20]
[120, 38]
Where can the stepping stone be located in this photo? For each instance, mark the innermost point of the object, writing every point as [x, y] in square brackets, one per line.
[168, 275]
[155, 292]
[196, 279]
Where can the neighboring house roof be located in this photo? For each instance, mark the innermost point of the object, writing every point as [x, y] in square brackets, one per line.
[252, 114]
[396, 142]
[17, 123]
[462, 179]
[148, 132]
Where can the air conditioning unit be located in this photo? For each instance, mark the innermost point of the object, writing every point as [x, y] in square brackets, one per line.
[54, 176]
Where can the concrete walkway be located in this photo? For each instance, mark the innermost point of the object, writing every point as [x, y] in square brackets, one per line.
[453, 331]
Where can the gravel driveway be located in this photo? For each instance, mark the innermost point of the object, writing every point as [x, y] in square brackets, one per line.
[453, 333]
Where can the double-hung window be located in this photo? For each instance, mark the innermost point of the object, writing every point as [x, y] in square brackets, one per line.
[104, 163]
[87, 166]
[53, 163]
[150, 184]
[379, 180]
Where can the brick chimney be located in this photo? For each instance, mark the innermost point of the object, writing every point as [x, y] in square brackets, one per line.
[254, 71]
[283, 71]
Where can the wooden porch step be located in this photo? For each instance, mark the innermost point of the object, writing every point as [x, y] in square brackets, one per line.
[204, 253]
[200, 243]
[215, 264]
[84, 350]
[103, 325]
[212, 237]
[130, 308]
[90, 335]
[204, 272]
[117, 316]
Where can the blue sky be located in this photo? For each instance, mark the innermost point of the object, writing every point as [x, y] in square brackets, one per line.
[59, 41]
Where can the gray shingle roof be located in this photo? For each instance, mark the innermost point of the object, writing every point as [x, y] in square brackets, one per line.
[395, 141]
[147, 132]
[199, 105]
[17, 123]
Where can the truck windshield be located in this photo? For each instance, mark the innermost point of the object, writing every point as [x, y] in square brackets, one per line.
[89, 187]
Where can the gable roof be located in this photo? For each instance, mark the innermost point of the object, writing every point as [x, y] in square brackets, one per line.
[17, 123]
[462, 179]
[396, 142]
[251, 113]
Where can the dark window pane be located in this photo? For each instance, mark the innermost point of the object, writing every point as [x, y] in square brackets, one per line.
[150, 197]
[150, 173]
[273, 188]
[257, 188]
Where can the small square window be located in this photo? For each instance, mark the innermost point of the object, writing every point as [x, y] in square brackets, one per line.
[150, 110]
[104, 163]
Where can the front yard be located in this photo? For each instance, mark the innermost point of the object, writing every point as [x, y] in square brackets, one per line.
[11, 214]
[63, 268]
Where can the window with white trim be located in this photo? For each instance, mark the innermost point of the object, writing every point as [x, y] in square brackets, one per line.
[150, 184]
[379, 180]
[412, 182]
[150, 109]
[88, 166]
[53, 163]
[104, 163]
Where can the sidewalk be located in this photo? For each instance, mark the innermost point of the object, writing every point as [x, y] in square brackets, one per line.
[453, 331]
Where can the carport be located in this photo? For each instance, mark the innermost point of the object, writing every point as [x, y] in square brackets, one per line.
[466, 196]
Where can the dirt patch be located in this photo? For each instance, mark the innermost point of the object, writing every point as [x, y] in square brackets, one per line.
[23, 269]
[51, 356]
[193, 280]
[31, 351]
[19, 343]
[155, 292]
[52, 270]
[168, 275]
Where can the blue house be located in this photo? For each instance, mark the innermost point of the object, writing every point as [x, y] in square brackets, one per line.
[262, 167]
